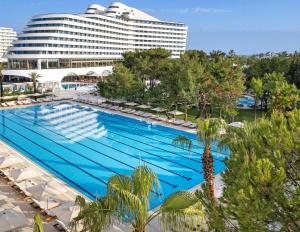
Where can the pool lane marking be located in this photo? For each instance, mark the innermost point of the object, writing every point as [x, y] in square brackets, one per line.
[54, 154]
[133, 126]
[138, 158]
[187, 178]
[120, 129]
[168, 183]
[139, 123]
[91, 110]
[47, 165]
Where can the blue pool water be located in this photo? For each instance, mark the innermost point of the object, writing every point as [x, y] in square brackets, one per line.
[74, 85]
[246, 101]
[85, 147]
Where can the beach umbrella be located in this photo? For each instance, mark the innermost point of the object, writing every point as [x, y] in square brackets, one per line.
[66, 212]
[48, 188]
[12, 219]
[237, 124]
[143, 106]
[158, 109]
[131, 104]
[23, 174]
[48, 195]
[175, 112]
[8, 161]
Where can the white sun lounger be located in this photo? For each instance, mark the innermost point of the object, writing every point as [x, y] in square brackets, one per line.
[146, 115]
[139, 113]
[154, 116]
[162, 118]
[11, 103]
[4, 104]
[193, 125]
[186, 124]
[178, 122]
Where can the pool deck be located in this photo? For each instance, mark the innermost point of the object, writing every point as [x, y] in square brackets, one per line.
[29, 211]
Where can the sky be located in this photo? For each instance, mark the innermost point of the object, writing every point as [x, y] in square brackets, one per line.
[246, 26]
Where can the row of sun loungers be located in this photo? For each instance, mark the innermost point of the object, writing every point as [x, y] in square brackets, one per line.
[45, 193]
[30, 101]
[177, 122]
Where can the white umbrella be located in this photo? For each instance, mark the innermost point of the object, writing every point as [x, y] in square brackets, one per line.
[8, 161]
[66, 212]
[144, 107]
[11, 219]
[175, 112]
[49, 188]
[158, 109]
[237, 124]
[48, 195]
[23, 174]
[131, 104]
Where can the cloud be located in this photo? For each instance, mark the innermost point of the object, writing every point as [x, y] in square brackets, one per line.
[195, 10]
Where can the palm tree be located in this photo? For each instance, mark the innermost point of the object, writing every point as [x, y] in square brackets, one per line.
[182, 211]
[38, 223]
[127, 200]
[208, 131]
[1, 80]
[34, 78]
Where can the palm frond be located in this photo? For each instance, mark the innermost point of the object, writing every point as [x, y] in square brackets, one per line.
[144, 181]
[182, 211]
[94, 216]
[38, 223]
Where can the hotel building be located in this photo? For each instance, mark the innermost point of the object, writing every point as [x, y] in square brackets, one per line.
[59, 45]
[7, 36]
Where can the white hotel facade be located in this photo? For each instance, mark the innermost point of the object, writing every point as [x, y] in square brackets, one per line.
[57, 45]
[7, 36]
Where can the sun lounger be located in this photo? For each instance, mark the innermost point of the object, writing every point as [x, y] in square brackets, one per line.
[146, 115]
[178, 122]
[4, 104]
[60, 226]
[11, 103]
[132, 111]
[154, 116]
[125, 110]
[27, 102]
[193, 125]
[20, 102]
[186, 124]
[139, 113]
[162, 118]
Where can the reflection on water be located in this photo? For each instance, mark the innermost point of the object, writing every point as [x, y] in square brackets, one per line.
[71, 121]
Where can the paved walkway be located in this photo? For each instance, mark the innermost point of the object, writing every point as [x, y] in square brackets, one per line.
[15, 199]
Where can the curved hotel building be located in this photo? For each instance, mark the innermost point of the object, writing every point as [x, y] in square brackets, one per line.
[58, 45]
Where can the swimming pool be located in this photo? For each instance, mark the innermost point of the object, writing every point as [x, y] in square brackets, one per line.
[77, 85]
[85, 147]
[246, 101]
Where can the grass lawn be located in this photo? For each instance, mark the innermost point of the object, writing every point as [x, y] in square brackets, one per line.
[243, 115]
